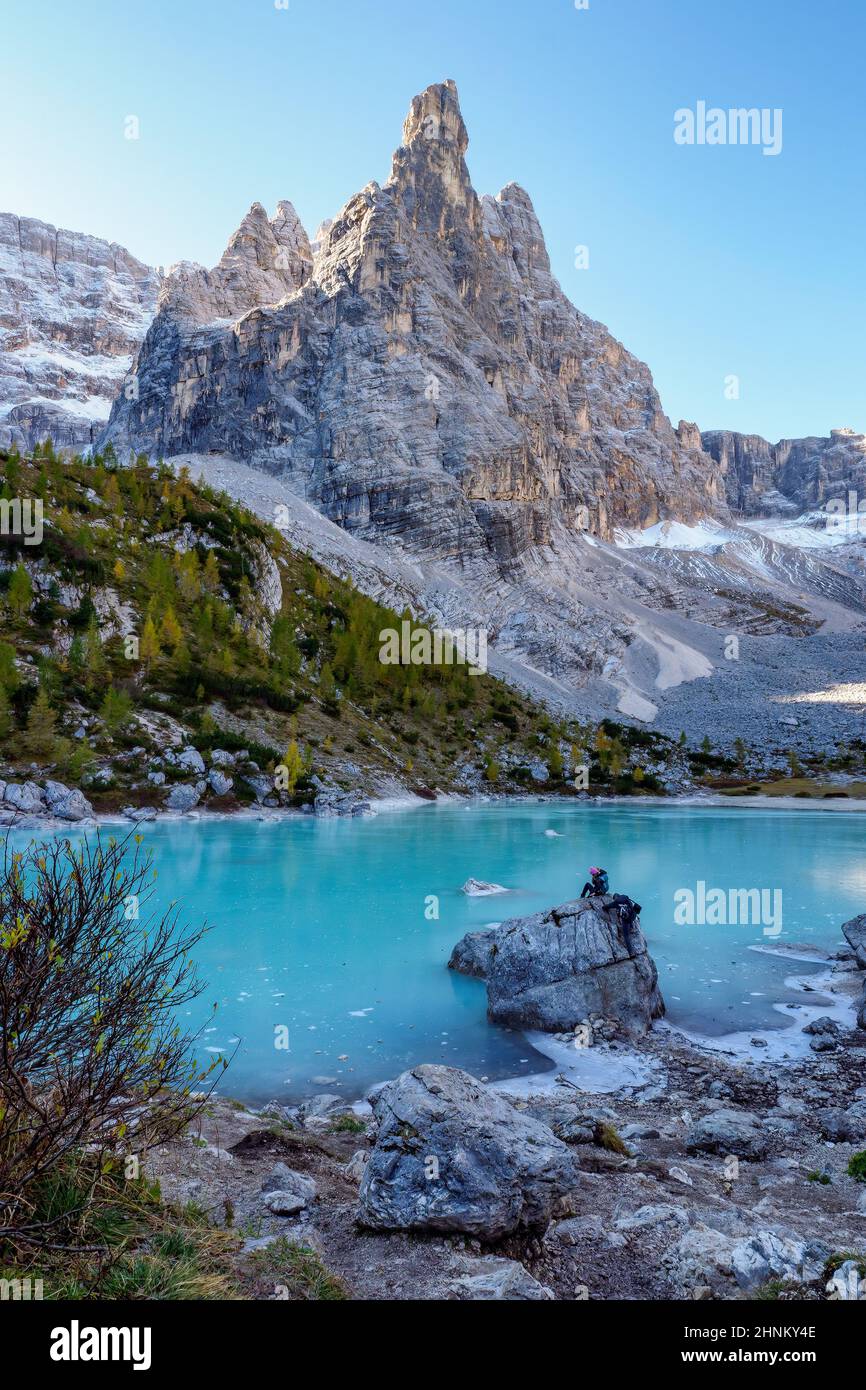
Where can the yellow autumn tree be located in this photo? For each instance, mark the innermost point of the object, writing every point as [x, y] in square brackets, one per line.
[148, 648]
[290, 769]
[170, 632]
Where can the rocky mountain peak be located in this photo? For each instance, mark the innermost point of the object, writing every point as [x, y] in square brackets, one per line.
[526, 246]
[266, 259]
[270, 243]
[428, 171]
[435, 116]
[463, 401]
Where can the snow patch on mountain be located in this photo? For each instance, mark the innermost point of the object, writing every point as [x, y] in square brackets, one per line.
[73, 310]
[674, 535]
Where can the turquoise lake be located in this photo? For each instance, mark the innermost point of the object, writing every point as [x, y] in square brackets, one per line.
[320, 926]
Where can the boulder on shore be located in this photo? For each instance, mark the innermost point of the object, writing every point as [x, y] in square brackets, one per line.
[58, 800]
[736, 1132]
[451, 1155]
[330, 803]
[182, 798]
[554, 969]
[25, 797]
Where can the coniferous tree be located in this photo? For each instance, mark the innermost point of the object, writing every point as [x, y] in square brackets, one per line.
[20, 592]
[327, 685]
[211, 574]
[148, 647]
[40, 735]
[93, 656]
[6, 722]
[116, 709]
[9, 678]
[285, 656]
[291, 768]
[171, 632]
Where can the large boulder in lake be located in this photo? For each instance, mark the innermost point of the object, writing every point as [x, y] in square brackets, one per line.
[855, 935]
[554, 969]
[450, 1155]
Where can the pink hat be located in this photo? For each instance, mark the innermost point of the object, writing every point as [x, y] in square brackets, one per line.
[594, 869]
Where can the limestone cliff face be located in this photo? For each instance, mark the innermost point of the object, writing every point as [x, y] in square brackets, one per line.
[795, 475]
[73, 309]
[421, 376]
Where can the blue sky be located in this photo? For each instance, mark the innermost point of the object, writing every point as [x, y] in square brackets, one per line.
[708, 262]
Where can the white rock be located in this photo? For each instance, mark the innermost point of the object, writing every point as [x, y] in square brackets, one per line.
[286, 1192]
[190, 759]
[847, 1283]
[477, 888]
[24, 796]
[182, 798]
[354, 1169]
[650, 1217]
[493, 1279]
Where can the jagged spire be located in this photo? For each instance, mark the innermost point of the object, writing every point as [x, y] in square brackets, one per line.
[434, 115]
[266, 259]
[428, 171]
[278, 246]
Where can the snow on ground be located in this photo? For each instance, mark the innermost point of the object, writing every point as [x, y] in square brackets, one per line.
[818, 530]
[677, 661]
[675, 535]
[825, 1000]
[598, 1070]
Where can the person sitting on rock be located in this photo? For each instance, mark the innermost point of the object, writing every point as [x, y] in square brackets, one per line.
[598, 884]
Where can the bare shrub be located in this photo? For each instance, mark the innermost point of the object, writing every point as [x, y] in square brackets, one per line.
[92, 1060]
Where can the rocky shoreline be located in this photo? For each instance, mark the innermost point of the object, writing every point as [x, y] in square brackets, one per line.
[41, 802]
[704, 1177]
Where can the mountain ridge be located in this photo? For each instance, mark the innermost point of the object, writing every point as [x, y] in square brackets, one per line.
[415, 394]
[441, 308]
